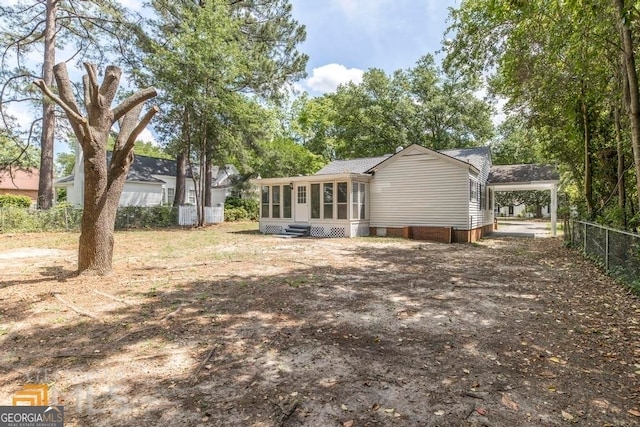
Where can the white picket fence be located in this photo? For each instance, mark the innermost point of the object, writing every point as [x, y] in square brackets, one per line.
[187, 215]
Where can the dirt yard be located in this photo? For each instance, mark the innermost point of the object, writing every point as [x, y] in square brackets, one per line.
[224, 326]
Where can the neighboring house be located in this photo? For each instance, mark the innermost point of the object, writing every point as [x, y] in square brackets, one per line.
[150, 182]
[19, 181]
[415, 193]
[520, 211]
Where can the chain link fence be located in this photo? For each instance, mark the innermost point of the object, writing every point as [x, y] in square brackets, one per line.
[617, 250]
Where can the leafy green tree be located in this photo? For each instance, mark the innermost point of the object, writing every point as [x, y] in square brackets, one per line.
[558, 64]
[422, 105]
[236, 54]
[284, 157]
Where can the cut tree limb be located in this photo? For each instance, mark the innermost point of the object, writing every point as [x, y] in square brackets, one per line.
[76, 308]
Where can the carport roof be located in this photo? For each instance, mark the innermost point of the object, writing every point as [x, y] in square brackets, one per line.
[522, 174]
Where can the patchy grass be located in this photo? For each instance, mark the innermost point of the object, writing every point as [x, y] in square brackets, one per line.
[224, 326]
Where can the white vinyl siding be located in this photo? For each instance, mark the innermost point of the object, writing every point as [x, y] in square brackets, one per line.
[420, 189]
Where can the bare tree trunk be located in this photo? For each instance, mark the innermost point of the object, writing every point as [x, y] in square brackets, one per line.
[103, 186]
[181, 180]
[208, 180]
[620, 152]
[634, 91]
[45, 182]
[588, 179]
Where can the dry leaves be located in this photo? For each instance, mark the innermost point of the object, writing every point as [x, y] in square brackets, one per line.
[508, 402]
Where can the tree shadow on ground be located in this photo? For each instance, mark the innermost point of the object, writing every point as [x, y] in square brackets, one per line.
[422, 334]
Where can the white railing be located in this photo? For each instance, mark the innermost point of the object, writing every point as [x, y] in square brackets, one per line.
[187, 215]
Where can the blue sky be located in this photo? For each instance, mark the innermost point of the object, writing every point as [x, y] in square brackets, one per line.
[347, 37]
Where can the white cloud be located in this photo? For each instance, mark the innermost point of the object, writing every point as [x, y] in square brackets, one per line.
[328, 77]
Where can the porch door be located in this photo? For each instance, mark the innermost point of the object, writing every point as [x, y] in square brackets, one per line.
[301, 197]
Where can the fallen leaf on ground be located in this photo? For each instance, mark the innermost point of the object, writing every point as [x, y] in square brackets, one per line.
[508, 402]
[634, 412]
[439, 413]
[481, 411]
[567, 416]
[348, 423]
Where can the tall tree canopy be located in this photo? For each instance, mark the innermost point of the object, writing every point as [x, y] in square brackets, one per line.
[564, 70]
[216, 64]
[422, 105]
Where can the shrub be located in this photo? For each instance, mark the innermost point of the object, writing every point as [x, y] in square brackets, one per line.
[236, 214]
[146, 217]
[249, 206]
[14, 200]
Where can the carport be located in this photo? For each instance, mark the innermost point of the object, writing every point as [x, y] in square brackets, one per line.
[527, 177]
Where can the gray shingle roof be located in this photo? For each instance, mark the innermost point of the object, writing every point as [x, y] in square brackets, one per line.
[477, 156]
[351, 166]
[514, 174]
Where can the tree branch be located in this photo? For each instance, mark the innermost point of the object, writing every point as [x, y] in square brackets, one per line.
[135, 99]
[93, 82]
[110, 83]
[67, 109]
[140, 127]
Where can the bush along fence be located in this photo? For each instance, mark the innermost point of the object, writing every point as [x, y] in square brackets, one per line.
[618, 251]
[67, 218]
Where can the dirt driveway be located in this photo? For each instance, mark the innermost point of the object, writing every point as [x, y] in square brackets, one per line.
[224, 326]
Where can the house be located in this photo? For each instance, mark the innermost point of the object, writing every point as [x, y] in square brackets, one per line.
[150, 182]
[20, 181]
[417, 192]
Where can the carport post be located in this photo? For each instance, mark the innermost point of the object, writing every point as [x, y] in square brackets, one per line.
[554, 209]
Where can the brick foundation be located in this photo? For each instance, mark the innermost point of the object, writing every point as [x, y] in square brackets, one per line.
[434, 234]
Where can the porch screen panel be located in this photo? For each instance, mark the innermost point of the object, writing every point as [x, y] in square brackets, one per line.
[275, 201]
[363, 210]
[327, 199]
[286, 201]
[315, 200]
[355, 203]
[343, 193]
[265, 201]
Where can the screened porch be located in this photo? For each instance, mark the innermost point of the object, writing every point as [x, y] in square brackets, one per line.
[332, 205]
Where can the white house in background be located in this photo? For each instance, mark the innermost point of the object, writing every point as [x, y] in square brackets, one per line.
[520, 211]
[416, 193]
[150, 182]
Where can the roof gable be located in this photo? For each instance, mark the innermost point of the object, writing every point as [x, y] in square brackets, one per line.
[418, 149]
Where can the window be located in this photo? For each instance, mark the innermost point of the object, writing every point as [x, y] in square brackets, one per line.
[171, 195]
[275, 201]
[343, 193]
[315, 200]
[473, 191]
[327, 200]
[511, 210]
[302, 194]
[265, 201]
[192, 197]
[286, 201]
